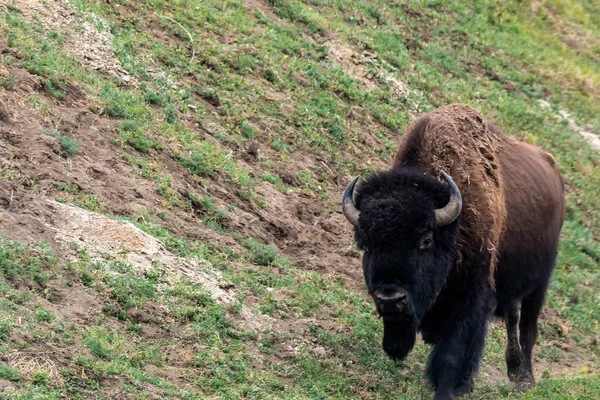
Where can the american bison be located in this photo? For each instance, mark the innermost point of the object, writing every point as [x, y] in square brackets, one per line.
[465, 224]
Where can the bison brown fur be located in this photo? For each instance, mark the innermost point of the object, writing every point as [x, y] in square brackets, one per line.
[441, 257]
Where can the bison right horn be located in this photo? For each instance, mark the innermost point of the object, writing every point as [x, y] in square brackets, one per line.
[350, 211]
[447, 215]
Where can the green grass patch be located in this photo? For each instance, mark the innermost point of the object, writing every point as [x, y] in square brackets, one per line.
[134, 133]
[70, 145]
[18, 260]
[261, 254]
[8, 373]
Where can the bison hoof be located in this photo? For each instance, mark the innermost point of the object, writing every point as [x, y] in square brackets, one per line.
[465, 390]
[444, 394]
[525, 382]
[523, 379]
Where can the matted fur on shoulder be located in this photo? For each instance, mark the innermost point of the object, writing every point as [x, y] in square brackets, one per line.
[457, 139]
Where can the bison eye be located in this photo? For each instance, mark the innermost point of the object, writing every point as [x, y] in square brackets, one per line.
[426, 242]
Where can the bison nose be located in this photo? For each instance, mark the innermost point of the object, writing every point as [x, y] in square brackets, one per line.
[391, 295]
[391, 300]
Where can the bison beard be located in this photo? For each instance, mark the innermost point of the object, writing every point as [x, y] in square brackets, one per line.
[398, 337]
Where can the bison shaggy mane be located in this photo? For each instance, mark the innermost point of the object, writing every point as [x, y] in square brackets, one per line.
[457, 139]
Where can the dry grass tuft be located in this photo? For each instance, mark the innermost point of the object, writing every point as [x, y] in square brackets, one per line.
[30, 364]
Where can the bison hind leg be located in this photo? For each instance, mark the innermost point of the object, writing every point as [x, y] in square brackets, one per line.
[519, 347]
[528, 327]
[514, 355]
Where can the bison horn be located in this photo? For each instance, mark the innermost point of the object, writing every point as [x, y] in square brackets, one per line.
[447, 215]
[350, 210]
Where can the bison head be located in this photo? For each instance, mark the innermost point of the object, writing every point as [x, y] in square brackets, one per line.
[406, 223]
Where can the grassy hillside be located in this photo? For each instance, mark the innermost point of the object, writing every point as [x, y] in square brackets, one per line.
[170, 176]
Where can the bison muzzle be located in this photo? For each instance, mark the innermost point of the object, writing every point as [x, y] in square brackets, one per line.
[465, 224]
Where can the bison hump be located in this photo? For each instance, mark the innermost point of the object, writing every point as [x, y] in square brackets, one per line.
[458, 140]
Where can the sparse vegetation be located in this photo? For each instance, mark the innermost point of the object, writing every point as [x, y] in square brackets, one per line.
[74, 194]
[261, 254]
[131, 132]
[9, 373]
[68, 144]
[8, 82]
[326, 88]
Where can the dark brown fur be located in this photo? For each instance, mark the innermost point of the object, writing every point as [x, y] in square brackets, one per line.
[456, 138]
[506, 241]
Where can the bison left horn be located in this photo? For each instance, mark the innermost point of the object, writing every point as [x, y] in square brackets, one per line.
[447, 215]
[348, 207]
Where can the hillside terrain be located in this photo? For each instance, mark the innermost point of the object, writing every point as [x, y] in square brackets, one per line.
[171, 176]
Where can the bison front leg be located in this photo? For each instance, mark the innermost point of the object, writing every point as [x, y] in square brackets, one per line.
[455, 357]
